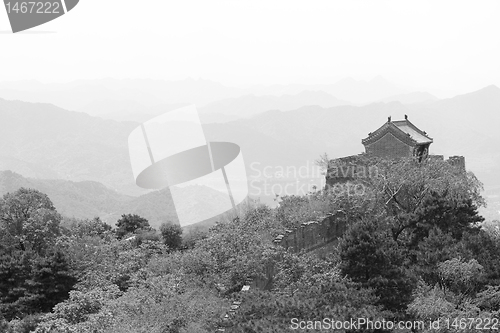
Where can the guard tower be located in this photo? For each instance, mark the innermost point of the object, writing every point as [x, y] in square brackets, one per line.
[396, 139]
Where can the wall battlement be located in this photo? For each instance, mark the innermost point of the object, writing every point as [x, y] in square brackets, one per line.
[308, 236]
[458, 161]
[314, 234]
[358, 168]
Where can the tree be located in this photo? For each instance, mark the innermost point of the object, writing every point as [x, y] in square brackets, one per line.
[33, 277]
[416, 194]
[485, 248]
[49, 283]
[30, 283]
[28, 219]
[172, 235]
[193, 235]
[460, 277]
[79, 312]
[323, 162]
[94, 227]
[437, 247]
[17, 207]
[238, 247]
[454, 299]
[371, 257]
[489, 299]
[429, 303]
[40, 230]
[147, 237]
[454, 216]
[131, 223]
[14, 271]
[332, 296]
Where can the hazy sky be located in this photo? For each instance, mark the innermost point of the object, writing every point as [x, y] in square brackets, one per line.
[448, 45]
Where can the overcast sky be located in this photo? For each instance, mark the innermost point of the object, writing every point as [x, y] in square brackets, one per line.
[448, 45]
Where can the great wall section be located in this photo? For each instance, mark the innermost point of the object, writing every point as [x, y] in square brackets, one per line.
[313, 234]
[393, 140]
[307, 237]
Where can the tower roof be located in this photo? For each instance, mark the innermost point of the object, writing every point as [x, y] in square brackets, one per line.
[402, 129]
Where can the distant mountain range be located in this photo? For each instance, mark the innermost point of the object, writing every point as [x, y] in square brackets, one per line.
[55, 143]
[410, 98]
[251, 105]
[347, 89]
[81, 94]
[73, 199]
[88, 199]
[140, 99]
[464, 125]
[45, 141]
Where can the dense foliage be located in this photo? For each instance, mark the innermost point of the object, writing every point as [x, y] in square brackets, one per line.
[415, 249]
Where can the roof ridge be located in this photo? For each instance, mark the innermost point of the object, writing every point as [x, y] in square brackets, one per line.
[391, 128]
[404, 129]
[409, 123]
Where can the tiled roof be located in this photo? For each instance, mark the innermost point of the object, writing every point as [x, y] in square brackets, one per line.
[414, 132]
[403, 129]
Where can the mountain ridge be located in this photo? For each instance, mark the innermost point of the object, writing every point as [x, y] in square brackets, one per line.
[89, 199]
[79, 147]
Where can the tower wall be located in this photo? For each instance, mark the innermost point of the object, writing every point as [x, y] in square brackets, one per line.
[458, 161]
[389, 147]
[436, 157]
[314, 234]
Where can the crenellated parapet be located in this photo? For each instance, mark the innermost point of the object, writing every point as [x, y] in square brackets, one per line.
[308, 236]
[313, 234]
[458, 161]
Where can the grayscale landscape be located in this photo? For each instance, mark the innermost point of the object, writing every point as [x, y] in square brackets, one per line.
[272, 130]
[250, 166]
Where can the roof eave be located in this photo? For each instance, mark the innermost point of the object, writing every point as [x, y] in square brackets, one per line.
[419, 130]
[386, 128]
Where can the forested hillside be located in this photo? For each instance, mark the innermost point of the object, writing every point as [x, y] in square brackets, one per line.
[88, 199]
[415, 249]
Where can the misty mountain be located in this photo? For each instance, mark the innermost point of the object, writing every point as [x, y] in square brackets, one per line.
[139, 99]
[347, 89]
[216, 112]
[467, 125]
[359, 91]
[72, 199]
[413, 97]
[127, 110]
[28, 169]
[89, 199]
[77, 147]
[250, 105]
[65, 145]
[207, 118]
[113, 95]
[464, 125]
[74, 146]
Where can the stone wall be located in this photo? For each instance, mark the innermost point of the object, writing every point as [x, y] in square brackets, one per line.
[354, 168]
[360, 168]
[458, 161]
[436, 157]
[389, 147]
[314, 234]
[307, 237]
